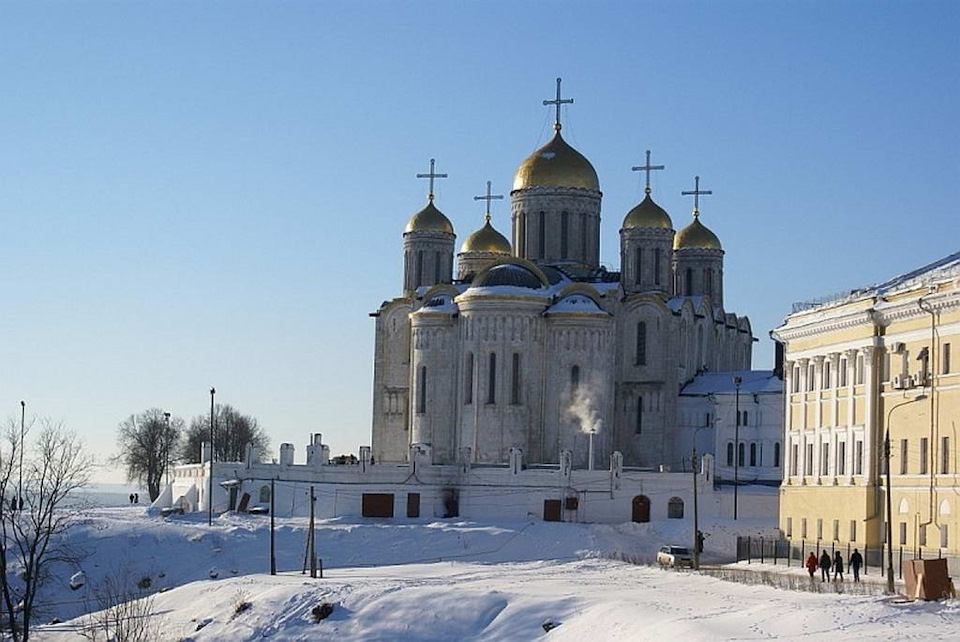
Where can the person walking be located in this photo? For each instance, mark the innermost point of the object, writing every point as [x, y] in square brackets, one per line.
[856, 561]
[812, 564]
[825, 565]
[838, 567]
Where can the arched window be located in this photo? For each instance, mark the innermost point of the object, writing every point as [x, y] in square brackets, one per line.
[515, 382]
[744, 422]
[741, 450]
[675, 508]
[639, 414]
[656, 266]
[468, 380]
[574, 379]
[637, 265]
[542, 234]
[730, 454]
[776, 455]
[264, 494]
[422, 390]
[492, 379]
[689, 288]
[564, 234]
[641, 344]
[753, 454]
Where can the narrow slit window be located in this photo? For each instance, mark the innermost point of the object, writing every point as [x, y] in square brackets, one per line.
[492, 379]
[515, 383]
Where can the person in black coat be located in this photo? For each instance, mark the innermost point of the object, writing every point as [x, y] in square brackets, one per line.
[838, 567]
[856, 561]
[825, 565]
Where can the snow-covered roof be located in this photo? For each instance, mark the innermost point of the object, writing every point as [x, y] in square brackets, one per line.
[576, 304]
[721, 383]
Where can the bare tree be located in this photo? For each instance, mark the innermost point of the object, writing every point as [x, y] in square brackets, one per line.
[122, 611]
[233, 432]
[148, 445]
[33, 537]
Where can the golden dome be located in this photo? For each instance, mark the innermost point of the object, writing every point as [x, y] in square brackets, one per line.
[487, 239]
[556, 164]
[429, 218]
[696, 235]
[647, 214]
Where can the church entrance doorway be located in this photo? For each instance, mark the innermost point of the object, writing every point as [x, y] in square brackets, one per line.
[641, 509]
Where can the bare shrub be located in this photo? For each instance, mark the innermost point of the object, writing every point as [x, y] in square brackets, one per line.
[124, 612]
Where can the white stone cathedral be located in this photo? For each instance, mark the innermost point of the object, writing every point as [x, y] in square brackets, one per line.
[532, 345]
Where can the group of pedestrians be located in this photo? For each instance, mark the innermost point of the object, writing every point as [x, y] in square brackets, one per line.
[826, 564]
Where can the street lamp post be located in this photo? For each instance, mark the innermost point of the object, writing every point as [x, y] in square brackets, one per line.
[736, 447]
[213, 391]
[23, 416]
[696, 506]
[889, 493]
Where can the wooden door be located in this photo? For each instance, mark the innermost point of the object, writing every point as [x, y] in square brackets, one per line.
[551, 510]
[641, 509]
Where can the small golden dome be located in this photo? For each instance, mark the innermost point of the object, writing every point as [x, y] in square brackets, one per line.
[487, 239]
[556, 164]
[647, 214]
[696, 235]
[429, 218]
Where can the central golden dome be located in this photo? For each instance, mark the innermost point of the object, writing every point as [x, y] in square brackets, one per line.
[556, 164]
[696, 235]
[487, 239]
[647, 214]
[429, 219]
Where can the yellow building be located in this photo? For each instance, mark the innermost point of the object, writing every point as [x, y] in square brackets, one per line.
[877, 358]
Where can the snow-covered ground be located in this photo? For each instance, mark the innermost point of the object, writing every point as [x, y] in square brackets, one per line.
[453, 580]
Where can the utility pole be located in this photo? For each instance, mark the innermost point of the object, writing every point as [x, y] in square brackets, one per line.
[23, 416]
[696, 511]
[736, 447]
[273, 543]
[312, 543]
[213, 391]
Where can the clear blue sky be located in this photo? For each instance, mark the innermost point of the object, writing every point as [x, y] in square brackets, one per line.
[197, 194]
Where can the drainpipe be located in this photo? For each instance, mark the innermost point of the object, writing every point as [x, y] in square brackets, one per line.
[931, 368]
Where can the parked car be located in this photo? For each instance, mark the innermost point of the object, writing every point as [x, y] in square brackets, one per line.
[674, 556]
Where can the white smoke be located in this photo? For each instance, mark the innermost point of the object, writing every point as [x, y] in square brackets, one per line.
[582, 408]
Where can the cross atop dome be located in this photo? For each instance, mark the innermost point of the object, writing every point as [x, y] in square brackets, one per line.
[432, 175]
[558, 101]
[647, 168]
[696, 192]
[489, 197]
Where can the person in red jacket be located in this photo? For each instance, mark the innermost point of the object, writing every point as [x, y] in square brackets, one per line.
[812, 564]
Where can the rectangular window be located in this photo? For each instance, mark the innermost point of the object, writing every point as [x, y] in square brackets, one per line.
[741, 450]
[803, 528]
[904, 456]
[944, 540]
[422, 391]
[789, 527]
[836, 530]
[808, 463]
[794, 456]
[824, 459]
[642, 343]
[858, 458]
[944, 455]
[515, 383]
[656, 268]
[637, 265]
[468, 381]
[811, 378]
[796, 379]
[843, 372]
[859, 379]
[639, 415]
[819, 528]
[946, 359]
[492, 379]
[924, 455]
[923, 535]
[853, 530]
[842, 458]
[903, 533]
[826, 376]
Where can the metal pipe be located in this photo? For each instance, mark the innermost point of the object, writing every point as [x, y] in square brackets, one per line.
[889, 491]
[213, 391]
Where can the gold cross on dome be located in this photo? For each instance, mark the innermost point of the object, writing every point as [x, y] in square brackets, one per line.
[647, 168]
[558, 101]
[432, 175]
[696, 195]
[489, 197]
